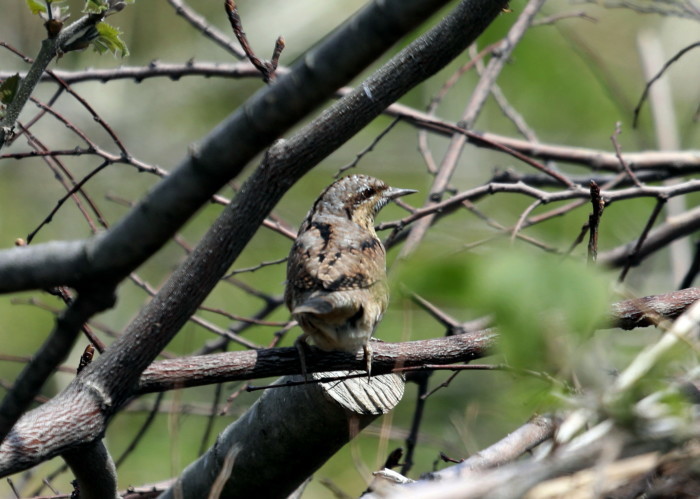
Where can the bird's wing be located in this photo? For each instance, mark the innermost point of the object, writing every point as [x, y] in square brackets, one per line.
[332, 257]
[338, 306]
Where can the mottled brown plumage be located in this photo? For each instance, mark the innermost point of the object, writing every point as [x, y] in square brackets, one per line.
[336, 271]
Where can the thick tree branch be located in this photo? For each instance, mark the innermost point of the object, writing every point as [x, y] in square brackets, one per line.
[54, 351]
[94, 470]
[201, 370]
[269, 453]
[648, 311]
[219, 157]
[231, 366]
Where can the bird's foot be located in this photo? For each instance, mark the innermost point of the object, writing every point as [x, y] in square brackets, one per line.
[302, 348]
[367, 348]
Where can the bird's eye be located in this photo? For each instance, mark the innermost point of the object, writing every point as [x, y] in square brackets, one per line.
[367, 192]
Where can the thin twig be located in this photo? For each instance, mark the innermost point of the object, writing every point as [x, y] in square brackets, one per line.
[201, 24]
[618, 153]
[14, 490]
[60, 171]
[632, 257]
[658, 75]
[142, 431]
[231, 398]
[211, 419]
[255, 267]
[564, 15]
[369, 148]
[594, 221]
[693, 269]
[77, 187]
[412, 438]
[522, 218]
[240, 318]
[468, 118]
[266, 68]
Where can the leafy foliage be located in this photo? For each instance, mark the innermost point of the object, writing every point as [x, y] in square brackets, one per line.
[95, 6]
[58, 8]
[542, 310]
[8, 89]
[109, 40]
[36, 7]
[100, 6]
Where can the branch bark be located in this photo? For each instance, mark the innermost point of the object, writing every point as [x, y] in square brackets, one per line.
[286, 436]
[231, 366]
[648, 311]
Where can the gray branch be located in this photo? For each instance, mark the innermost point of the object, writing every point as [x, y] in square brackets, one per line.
[286, 436]
[94, 470]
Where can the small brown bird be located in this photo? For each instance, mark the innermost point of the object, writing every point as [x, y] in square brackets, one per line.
[336, 271]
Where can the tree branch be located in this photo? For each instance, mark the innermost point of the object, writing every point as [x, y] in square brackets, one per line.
[471, 113]
[270, 453]
[220, 156]
[231, 366]
[54, 351]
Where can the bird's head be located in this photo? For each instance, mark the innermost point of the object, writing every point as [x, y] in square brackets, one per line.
[358, 198]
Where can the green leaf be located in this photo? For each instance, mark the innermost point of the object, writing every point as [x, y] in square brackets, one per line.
[36, 6]
[544, 308]
[95, 6]
[108, 40]
[8, 88]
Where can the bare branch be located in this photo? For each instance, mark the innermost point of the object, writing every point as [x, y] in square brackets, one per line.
[648, 311]
[664, 234]
[266, 68]
[220, 157]
[658, 75]
[201, 24]
[517, 443]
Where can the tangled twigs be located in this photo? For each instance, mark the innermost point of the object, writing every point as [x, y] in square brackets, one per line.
[266, 68]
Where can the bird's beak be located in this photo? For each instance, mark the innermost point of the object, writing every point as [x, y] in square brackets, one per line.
[394, 192]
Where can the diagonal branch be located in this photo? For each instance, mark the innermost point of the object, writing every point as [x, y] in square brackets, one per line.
[219, 157]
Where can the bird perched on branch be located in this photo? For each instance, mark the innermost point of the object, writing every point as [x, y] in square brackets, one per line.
[336, 271]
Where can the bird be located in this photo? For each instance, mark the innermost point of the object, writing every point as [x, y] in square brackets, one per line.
[336, 286]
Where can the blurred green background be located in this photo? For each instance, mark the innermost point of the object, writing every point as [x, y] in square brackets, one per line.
[571, 81]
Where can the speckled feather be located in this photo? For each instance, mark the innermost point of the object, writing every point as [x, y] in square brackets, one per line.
[336, 271]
